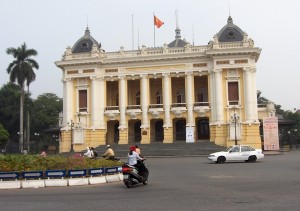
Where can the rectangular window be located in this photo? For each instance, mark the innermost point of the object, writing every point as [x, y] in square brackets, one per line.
[233, 93]
[82, 100]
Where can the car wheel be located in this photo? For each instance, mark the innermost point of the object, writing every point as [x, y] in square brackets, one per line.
[221, 159]
[145, 182]
[252, 158]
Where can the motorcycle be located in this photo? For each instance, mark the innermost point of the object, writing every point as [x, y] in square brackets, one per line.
[132, 176]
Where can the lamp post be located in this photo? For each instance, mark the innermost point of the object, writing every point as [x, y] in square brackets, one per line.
[71, 124]
[79, 114]
[235, 119]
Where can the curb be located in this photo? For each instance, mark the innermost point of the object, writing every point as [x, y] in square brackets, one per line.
[44, 183]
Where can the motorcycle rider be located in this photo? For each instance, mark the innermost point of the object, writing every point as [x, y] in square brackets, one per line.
[109, 153]
[134, 159]
[88, 153]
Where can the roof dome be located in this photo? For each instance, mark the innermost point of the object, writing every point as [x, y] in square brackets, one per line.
[230, 32]
[178, 42]
[85, 43]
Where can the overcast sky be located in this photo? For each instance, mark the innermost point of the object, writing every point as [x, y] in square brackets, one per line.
[50, 26]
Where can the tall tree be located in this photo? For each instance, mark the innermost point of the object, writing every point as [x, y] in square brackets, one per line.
[10, 109]
[45, 112]
[21, 70]
[3, 134]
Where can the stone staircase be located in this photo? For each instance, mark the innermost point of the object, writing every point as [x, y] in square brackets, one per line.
[159, 149]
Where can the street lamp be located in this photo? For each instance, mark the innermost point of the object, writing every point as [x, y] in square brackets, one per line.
[71, 124]
[79, 114]
[235, 119]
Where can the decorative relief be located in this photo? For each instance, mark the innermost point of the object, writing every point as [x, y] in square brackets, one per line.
[68, 53]
[89, 71]
[241, 61]
[223, 62]
[82, 82]
[70, 72]
[113, 70]
[200, 65]
[232, 73]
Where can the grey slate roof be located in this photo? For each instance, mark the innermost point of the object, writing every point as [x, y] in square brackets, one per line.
[230, 32]
[85, 43]
[178, 42]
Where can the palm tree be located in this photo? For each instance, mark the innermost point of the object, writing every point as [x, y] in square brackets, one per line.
[21, 70]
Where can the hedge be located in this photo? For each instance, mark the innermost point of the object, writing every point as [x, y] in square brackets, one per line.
[13, 162]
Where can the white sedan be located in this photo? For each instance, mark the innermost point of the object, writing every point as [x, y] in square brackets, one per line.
[237, 153]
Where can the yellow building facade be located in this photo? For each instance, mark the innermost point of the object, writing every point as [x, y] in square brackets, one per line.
[174, 93]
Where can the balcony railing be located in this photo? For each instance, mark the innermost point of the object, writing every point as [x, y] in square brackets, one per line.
[155, 106]
[197, 104]
[111, 108]
[178, 105]
[129, 107]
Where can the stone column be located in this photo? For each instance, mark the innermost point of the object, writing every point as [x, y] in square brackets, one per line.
[122, 101]
[254, 95]
[98, 102]
[68, 101]
[94, 102]
[212, 96]
[167, 99]
[102, 103]
[144, 100]
[218, 96]
[248, 95]
[189, 84]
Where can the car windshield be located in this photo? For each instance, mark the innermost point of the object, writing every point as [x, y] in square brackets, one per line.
[229, 148]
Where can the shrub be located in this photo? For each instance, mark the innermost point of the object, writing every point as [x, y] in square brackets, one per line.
[38, 163]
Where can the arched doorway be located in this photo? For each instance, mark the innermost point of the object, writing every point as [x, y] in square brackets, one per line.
[137, 132]
[203, 128]
[180, 133]
[112, 134]
[159, 131]
[116, 134]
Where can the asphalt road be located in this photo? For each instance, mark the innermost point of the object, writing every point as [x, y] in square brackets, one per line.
[189, 183]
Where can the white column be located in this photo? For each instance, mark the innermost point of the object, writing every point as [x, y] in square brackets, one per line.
[98, 102]
[144, 100]
[219, 96]
[248, 95]
[212, 96]
[95, 103]
[189, 98]
[122, 101]
[254, 95]
[167, 99]
[102, 104]
[68, 101]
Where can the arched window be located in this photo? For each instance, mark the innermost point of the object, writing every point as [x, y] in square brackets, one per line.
[180, 96]
[117, 99]
[158, 97]
[202, 95]
[138, 99]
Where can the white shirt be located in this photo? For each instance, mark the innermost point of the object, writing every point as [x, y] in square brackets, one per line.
[132, 159]
[89, 154]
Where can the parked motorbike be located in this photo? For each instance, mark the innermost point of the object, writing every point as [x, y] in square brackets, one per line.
[132, 176]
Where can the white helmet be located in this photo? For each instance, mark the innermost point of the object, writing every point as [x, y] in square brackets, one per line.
[108, 146]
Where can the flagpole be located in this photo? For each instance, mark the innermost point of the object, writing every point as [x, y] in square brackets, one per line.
[154, 29]
[132, 33]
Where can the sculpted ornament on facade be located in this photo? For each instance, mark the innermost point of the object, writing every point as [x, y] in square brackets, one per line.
[68, 53]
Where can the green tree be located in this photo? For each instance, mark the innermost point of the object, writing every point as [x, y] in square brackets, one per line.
[21, 70]
[4, 135]
[10, 109]
[45, 112]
